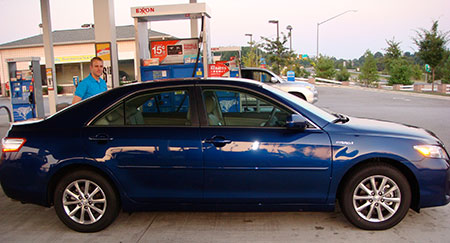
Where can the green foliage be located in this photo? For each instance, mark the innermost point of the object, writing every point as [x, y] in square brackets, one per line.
[278, 56]
[417, 72]
[431, 45]
[343, 74]
[298, 69]
[393, 53]
[369, 73]
[400, 71]
[445, 69]
[301, 72]
[251, 57]
[324, 67]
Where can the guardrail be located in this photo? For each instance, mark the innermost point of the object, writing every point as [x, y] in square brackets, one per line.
[427, 88]
[328, 81]
[440, 88]
[407, 88]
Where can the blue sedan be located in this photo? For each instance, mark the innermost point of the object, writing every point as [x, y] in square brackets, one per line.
[219, 143]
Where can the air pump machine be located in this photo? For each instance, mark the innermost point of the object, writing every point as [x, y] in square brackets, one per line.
[25, 84]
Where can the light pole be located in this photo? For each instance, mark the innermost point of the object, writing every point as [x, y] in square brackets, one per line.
[317, 54]
[251, 42]
[290, 36]
[278, 29]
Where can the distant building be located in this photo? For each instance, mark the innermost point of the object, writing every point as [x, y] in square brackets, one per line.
[73, 50]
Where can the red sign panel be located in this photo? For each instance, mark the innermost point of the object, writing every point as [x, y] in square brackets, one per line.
[174, 51]
[217, 70]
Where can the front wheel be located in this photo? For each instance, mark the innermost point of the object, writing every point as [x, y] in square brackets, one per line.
[376, 197]
[86, 201]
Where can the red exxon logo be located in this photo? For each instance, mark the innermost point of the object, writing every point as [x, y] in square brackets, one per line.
[145, 10]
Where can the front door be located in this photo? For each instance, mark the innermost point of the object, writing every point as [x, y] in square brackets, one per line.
[251, 157]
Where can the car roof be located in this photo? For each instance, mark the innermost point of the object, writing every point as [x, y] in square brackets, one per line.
[254, 68]
[209, 80]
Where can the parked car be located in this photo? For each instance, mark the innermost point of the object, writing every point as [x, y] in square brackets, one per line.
[301, 89]
[223, 143]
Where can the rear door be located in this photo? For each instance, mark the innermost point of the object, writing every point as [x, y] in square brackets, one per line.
[150, 141]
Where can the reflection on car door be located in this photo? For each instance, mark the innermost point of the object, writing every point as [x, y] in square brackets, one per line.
[251, 157]
[151, 142]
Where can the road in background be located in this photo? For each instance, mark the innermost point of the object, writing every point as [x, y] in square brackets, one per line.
[30, 223]
[431, 112]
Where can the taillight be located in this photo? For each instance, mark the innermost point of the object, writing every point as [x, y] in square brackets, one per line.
[12, 144]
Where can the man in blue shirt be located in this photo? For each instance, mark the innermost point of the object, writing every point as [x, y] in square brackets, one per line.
[92, 84]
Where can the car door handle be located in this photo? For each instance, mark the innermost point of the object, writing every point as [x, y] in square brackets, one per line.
[101, 138]
[218, 141]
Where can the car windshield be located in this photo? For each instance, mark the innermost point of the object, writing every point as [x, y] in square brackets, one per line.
[312, 108]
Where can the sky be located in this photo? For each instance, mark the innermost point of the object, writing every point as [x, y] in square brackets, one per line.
[347, 36]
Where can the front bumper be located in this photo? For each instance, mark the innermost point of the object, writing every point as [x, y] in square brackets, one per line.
[434, 182]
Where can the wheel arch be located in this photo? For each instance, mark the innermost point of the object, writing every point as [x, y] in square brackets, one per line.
[415, 190]
[56, 177]
[298, 94]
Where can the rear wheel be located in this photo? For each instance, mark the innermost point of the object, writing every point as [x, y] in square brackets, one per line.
[376, 197]
[86, 201]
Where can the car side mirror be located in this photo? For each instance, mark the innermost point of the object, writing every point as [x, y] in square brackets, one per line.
[296, 122]
[273, 80]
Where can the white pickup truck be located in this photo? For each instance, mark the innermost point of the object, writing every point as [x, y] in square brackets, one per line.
[301, 89]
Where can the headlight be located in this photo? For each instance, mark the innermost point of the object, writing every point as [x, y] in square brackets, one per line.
[431, 151]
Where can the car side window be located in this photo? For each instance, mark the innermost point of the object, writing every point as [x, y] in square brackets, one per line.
[155, 108]
[113, 117]
[262, 76]
[240, 108]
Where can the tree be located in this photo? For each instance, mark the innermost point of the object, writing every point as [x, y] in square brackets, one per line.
[393, 53]
[444, 70]
[343, 74]
[417, 71]
[251, 58]
[369, 73]
[324, 67]
[279, 56]
[400, 71]
[431, 45]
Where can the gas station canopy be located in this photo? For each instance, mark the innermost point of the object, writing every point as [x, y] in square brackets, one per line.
[171, 12]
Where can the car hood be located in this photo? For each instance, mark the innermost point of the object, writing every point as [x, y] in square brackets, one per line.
[289, 85]
[365, 126]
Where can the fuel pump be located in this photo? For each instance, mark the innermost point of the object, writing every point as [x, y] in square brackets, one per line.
[172, 58]
[26, 88]
[226, 68]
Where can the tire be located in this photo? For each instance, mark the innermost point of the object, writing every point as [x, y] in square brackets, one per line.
[377, 209]
[90, 213]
